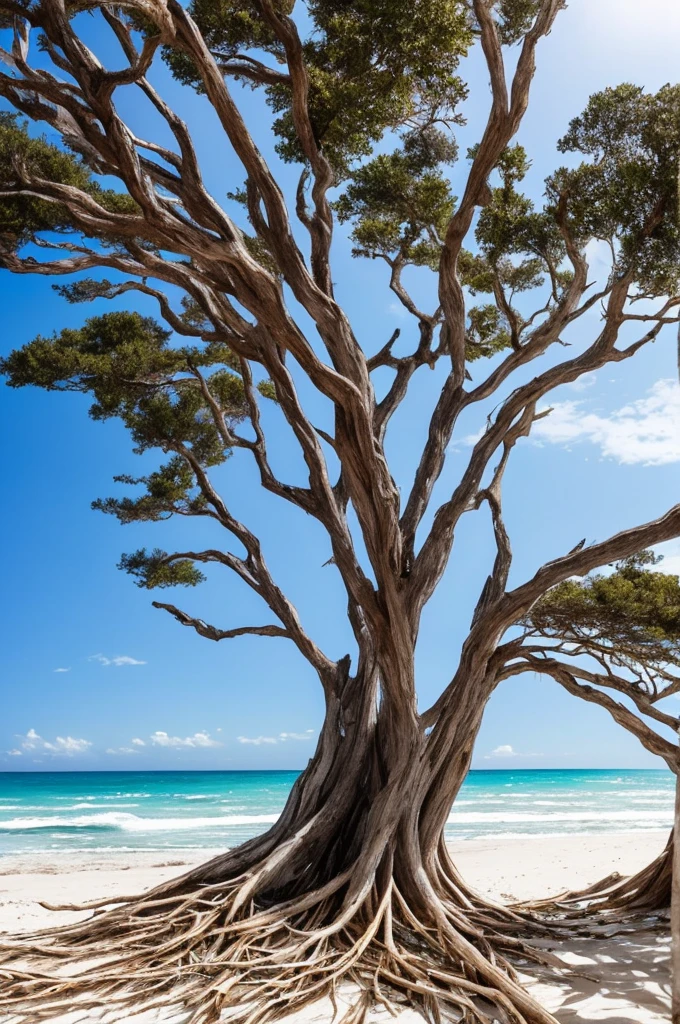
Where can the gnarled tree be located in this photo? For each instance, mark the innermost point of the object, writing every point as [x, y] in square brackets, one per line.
[620, 633]
[354, 881]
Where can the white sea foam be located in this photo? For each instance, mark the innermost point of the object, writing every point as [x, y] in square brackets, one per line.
[126, 796]
[66, 807]
[133, 823]
[468, 817]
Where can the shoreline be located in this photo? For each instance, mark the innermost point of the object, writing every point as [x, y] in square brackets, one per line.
[621, 979]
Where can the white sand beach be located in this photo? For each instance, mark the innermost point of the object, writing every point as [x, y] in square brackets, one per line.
[622, 980]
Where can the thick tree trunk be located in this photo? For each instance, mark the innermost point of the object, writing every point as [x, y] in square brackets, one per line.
[353, 884]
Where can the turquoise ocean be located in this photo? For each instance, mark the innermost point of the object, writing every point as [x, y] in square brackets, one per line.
[43, 812]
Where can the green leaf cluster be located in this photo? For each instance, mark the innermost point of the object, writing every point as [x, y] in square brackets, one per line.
[401, 202]
[152, 570]
[373, 65]
[170, 490]
[23, 216]
[510, 226]
[627, 191]
[125, 362]
[634, 611]
[515, 18]
[487, 332]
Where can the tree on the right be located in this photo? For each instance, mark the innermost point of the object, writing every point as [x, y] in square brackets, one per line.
[604, 637]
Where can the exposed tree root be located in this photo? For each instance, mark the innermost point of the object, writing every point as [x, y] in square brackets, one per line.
[613, 899]
[221, 946]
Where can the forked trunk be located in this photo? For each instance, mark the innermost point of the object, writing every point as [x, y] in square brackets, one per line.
[353, 884]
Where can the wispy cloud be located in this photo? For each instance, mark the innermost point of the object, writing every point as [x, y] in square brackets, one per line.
[66, 745]
[282, 737]
[582, 383]
[121, 750]
[15, 753]
[644, 432]
[62, 670]
[30, 740]
[199, 739]
[507, 751]
[118, 661]
[137, 742]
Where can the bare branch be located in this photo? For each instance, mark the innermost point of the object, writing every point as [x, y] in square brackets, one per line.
[212, 633]
[565, 676]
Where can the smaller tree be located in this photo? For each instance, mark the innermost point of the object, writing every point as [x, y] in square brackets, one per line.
[619, 632]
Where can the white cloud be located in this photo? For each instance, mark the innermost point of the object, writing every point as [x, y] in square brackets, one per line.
[507, 751]
[121, 750]
[582, 383]
[199, 739]
[645, 432]
[282, 737]
[15, 753]
[138, 743]
[31, 740]
[120, 659]
[62, 670]
[67, 745]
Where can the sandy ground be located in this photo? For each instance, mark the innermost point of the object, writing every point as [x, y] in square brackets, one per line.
[621, 980]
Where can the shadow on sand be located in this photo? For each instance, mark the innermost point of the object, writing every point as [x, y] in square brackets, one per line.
[623, 979]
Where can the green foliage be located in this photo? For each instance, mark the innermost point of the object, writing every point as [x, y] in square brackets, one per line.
[515, 18]
[170, 490]
[125, 362]
[85, 290]
[627, 193]
[634, 611]
[509, 224]
[400, 202]
[372, 65]
[152, 570]
[229, 27]
[487, 332]
[267, 390]
[23, 216]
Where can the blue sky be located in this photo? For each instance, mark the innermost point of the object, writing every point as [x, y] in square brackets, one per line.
[94, 677]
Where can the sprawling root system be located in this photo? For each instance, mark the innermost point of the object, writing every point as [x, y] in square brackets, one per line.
[226, 947]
